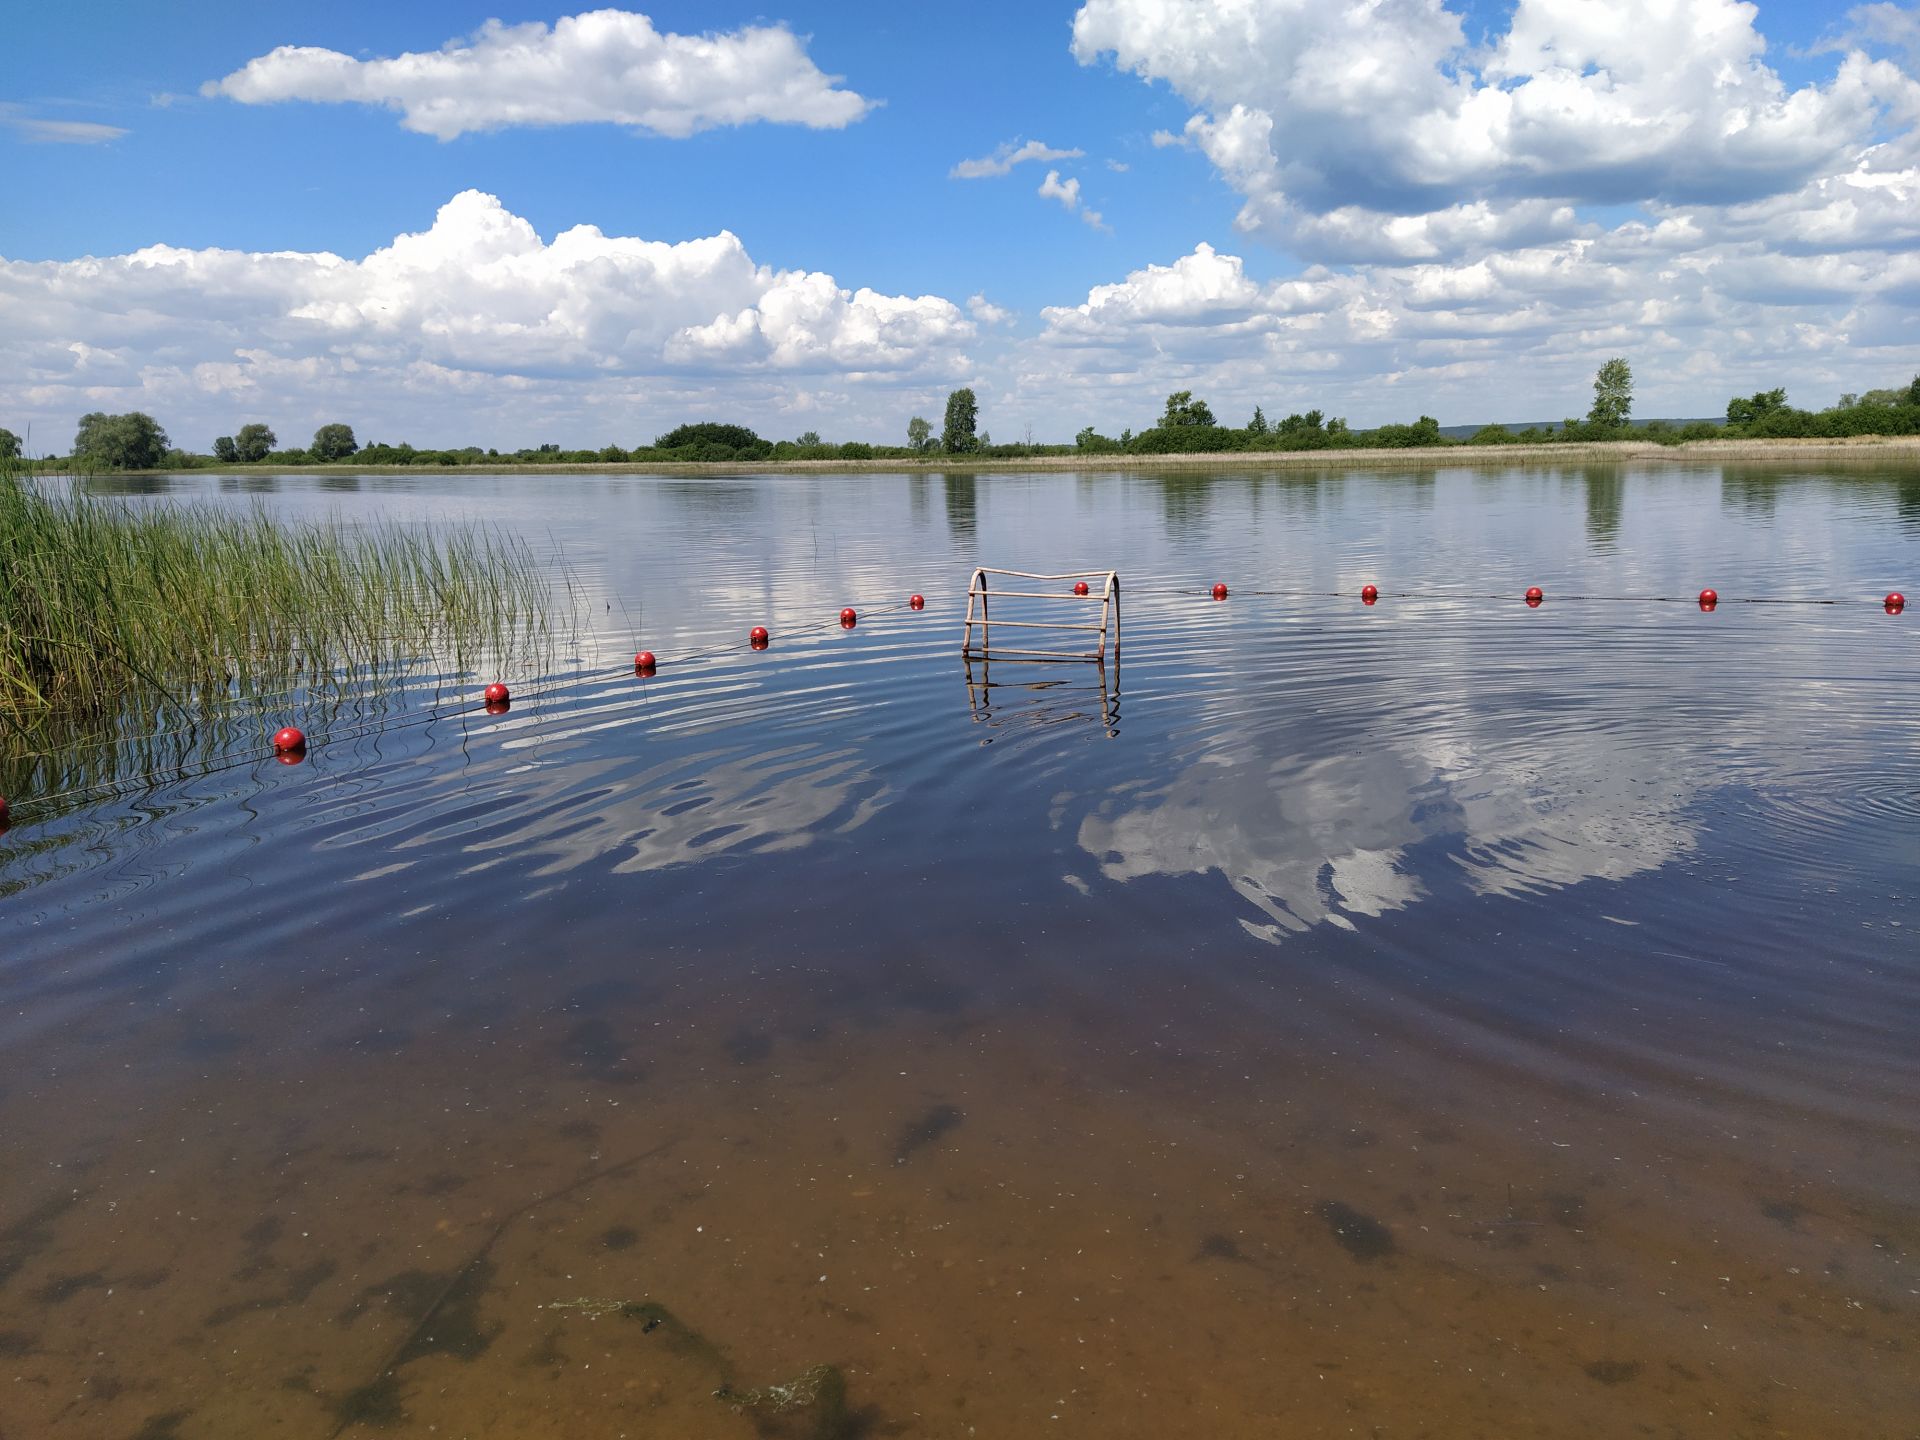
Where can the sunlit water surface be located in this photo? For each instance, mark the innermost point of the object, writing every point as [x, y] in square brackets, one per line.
[1435, 1018]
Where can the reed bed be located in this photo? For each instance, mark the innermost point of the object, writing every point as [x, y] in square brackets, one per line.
[121, 614]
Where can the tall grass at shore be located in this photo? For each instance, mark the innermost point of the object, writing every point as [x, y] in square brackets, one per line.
[108, 609]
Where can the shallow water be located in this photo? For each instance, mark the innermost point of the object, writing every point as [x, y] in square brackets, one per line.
[1440, 1017]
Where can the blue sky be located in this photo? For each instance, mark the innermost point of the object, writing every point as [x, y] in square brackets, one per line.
[1449, 234]
[873, 200]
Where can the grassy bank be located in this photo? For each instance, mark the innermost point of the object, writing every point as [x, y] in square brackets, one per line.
[1904, 450]
[1893, 449]
[108, 609]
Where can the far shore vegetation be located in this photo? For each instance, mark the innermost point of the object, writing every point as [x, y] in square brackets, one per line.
[1187, 426]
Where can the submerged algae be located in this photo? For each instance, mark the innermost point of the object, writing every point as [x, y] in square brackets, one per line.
[653, 1316]
[810, 1406]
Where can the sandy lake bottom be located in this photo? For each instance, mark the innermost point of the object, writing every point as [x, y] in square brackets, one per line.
[1437, 1018]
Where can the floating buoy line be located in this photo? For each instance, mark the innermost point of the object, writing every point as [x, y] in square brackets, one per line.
[1893, 604]
[289, 745]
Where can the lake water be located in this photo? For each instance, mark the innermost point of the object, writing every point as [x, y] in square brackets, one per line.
[1442, 1017]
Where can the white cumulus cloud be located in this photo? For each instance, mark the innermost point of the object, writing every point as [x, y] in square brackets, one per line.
[1203, 288]
[988, 313]
[1509, 335]
[602, 67]
[1067, 192]
[1373, 129]
[476, 323]
[1009, 155]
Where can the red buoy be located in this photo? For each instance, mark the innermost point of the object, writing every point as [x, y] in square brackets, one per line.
[1535, 595]
[1896, 602]
[498, 694]
[849, 616]
[290, 742]
[758, 639]
[1709, 599]
[1080, 587]
[1219, 592]
[644, 662]
[6, 812]
[1369, 593]
[917, 602]
[499, 707]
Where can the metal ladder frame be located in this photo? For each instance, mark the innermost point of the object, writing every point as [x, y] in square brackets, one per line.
[978, 595]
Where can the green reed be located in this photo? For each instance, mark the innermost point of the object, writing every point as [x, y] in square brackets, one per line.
[115, 615]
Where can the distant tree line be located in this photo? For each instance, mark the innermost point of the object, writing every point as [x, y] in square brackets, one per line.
[1767, 415]
[253, 444]
[136, 441]
[705, 442]
[1186, 426]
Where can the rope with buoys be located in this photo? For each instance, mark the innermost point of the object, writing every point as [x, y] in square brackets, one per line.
[1893, 603]
[290, 744]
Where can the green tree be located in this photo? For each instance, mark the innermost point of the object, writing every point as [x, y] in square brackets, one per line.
[709, 432]
[919, 434]
[1423, 432]
[1759, 405]
[1913, 391]
[1612, 395]
[334, 442]
[225, 451]
[1183, 409]
[712, 442]
[963, 414]
[133, 441]
[9, 445]
[254, 442]
[1257, 425]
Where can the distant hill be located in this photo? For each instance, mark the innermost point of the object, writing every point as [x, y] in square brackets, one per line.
[1461, 432]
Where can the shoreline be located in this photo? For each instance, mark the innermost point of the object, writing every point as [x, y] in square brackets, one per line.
[1899, 448]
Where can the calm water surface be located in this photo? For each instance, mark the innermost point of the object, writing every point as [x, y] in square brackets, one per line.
[1440, 1018]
